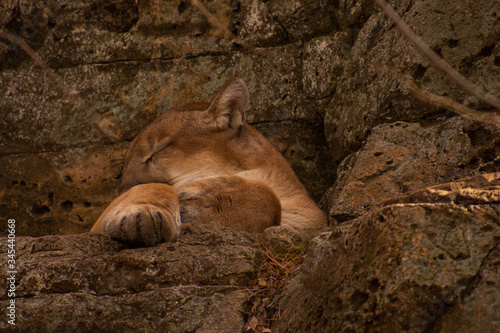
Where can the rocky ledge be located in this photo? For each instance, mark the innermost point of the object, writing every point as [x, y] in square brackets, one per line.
[428, 261]
[90, 283]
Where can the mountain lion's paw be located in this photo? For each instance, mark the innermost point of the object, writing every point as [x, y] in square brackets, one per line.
[141, 225]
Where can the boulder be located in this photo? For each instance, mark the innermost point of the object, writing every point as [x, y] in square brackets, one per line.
[401, 157]
[427, 261]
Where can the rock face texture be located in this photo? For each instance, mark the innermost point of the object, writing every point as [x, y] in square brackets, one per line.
[368, 94]
[424, 262]
[89, 283]
[401, 157]
[414, 242]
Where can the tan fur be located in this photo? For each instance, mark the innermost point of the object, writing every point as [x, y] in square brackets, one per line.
[225, 200]
[224, 170]
[143, 216]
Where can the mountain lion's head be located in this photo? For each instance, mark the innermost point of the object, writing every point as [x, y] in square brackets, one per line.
[190, 142]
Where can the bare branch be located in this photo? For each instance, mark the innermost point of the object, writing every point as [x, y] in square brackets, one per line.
[443, 102]
[39, 61]
[218, 24]
[436, 59]
[72, 92]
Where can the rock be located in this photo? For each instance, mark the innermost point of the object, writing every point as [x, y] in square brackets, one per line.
[324, 61]
[60, 192]
[401, 157]
[425, 261]
[283, 238]
[266, 23]
[301, 19]
[169, 309]
[89, 282]
[255, 24]
[368, 93]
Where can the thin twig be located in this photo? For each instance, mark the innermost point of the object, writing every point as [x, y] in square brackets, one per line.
[72, 92]
[454, 75]
[218, 24]
[39, 61]
[443, 102]
[272, 275]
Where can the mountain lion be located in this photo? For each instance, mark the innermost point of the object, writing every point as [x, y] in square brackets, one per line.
[202, 163]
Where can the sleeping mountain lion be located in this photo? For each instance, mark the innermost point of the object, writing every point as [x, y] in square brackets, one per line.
[201, 163]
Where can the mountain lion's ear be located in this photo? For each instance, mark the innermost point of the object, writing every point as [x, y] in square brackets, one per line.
[228, 107]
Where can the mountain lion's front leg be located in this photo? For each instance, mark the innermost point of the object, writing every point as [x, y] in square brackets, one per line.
[230, 201]
[145, 215]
